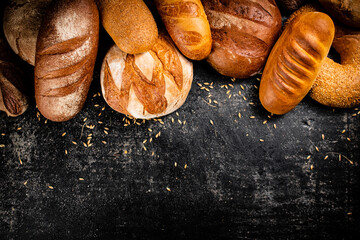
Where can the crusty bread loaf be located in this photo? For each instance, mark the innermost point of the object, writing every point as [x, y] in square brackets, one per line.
[13, 89]
[129, 23]
[186, 22]
[243, 33]
[65, 57]
[295, 61]
[22, 21]
[146, 85]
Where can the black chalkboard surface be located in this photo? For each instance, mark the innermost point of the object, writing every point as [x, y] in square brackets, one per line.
[221, 167]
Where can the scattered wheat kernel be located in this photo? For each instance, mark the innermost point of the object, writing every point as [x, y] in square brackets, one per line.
[228, 91]
[85, 119]
[311, 167]
[242, 87]
[63, 134]
[99, 94]
[149, 129]
[179, 121]
[317, 149]
[46, 121]
[265, 122]
[153, 153]
[81, 179]
[145, 141]
[256, 87]
[216, 102]
[100, 122]
[275, 125]
[74, 142]
[348, 139]
[202, 88]
[251, 103]
[252, 117]
[125, 151]
[211, 122]
[233, 79]
[349, 213]
[206, 89]
[231, 85]
[185, 166]
[145, 148]
[239, 92]
[99, 114]
[354, 115]
[51, 187]
[106, 128]
[308, 157]
[244, 98]
[239, 114]
[175, 164]
[25, 182]
[326, 157]
[177, 114]
[20, 161]
[230, 96]
[343, 131]
[19, 128]
[103, 108]
[258, 79]
[340, 157]
[261, 140]
[199, 84]
[104, 142]
[94, 95]
[3, 134]
[184, 122]
[96, 105]
[2, 145]
[66, 152]
[322, 136]
[84, 144]
[358, 112]
[168, 189]
[106, 132]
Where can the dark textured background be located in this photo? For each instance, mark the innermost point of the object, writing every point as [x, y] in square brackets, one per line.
[224, 182]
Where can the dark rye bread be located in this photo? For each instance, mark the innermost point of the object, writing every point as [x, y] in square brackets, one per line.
[243, 33]
[291, 5]
[65, 57]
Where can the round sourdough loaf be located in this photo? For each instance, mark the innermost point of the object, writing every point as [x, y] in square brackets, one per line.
[146, 85]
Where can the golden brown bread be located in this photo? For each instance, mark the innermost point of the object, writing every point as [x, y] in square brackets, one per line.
[129, 23]
[295, 61]
[243, 32]
[186, 22]
[65, 57]
[13, 89]
[147, 85]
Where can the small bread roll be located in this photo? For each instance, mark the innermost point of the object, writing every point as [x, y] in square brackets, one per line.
[186, 22]
[295, 61]
[22, 21]
[146, 85]
[129, 23]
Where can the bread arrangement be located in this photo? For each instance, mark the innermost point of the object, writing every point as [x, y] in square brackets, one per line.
[243, 33]
[148, 73]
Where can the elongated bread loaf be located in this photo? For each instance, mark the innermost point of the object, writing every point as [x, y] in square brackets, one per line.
[65, 57]
[295, 61]
[129, 23]
[186, 22]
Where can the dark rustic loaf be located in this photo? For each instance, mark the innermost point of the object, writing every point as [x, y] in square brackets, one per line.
[13, 87]
[65, 57]
[291, 5]
[21, 25]
[243, 34]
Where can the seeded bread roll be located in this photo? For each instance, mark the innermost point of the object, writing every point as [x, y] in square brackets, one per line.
[65, 57]
[295, 61]
[146, 85]
[129, 23]
[186, 22]
[243, 33]
[22, 19]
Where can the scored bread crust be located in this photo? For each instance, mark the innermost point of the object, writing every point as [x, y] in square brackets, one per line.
[295, 61]
[187, 25]
[146, 85]
[243, 33]
[65, 58]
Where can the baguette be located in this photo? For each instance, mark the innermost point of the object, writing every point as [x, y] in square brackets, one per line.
[65, 57]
